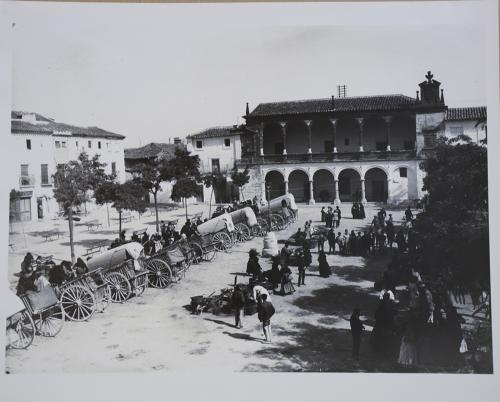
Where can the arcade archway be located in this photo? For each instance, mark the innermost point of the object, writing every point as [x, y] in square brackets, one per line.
[276, 183]
[323, 186]
[376, 185]
[349, 185]
[298, 185]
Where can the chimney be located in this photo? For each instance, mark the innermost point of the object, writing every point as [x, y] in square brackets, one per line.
[247, 111]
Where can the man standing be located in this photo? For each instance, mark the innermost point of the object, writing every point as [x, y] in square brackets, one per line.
[238, 301]
[302, 268]
[337, 209]
[265, 312]
[356, 330]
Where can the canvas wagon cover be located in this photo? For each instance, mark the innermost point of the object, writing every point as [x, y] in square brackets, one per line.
[216, 224]
[275, 203]
[176, 255]
[115, 256]
[244, 215]
[13, 304]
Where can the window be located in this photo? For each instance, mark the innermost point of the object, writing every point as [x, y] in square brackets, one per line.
[215, 166]
[456, 130]
[58, 144]
[76, 143]
[113, 167]
[409, 145]
[28, 144]
[428, 139]
[403, 172]
[25, 178]
[24, 170]
[346, 141]
[63, 144]
[381, 146]
[107, 145]
[90, 144]
[99, 144]
[328, 146]
[227, 142]
[199, 144]
[45, 174]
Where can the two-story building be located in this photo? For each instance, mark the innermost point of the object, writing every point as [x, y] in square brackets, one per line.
[469, 121]
[38, 145]
[342, 149]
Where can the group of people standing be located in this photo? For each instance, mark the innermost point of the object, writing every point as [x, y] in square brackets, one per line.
[331, 217]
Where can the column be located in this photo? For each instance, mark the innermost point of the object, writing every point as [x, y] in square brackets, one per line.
[263, 191]
[308, 124]
[361, 122]
[337, 195]
[388, 122]
[389, 200]
[334, 135]
[261, 139]
[311, 193]
[286, 186]
[363, 195]
[283, 132]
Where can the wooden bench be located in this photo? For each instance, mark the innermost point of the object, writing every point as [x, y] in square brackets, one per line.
[95, 248]
[126, 217]
[94, 225]
[51, 234]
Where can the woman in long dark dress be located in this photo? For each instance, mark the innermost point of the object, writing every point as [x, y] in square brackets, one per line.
[324, 269]
[286, 281]
[307, 255]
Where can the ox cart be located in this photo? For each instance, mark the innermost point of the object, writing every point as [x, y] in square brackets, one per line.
[123, 270]
[214, 235]
[281, 212]
[245, 224]
[20, 327]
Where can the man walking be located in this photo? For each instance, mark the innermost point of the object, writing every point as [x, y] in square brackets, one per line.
[356, 330]
[238, 301]
[265, 312]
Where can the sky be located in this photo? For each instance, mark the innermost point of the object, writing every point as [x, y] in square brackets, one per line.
[154, 72]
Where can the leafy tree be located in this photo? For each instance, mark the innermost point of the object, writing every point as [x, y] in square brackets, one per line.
[72, 183]
[105, 194]
[129, 196]
[211, 180]
[453, 229]
[185, 188]
[240, 179]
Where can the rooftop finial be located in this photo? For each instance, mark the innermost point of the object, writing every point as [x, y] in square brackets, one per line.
[247, 111]
[429, 77]
[418, 98]
[333, 101]
[442, 96]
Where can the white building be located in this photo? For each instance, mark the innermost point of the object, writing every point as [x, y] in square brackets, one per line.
[469, 121]
[38, 145]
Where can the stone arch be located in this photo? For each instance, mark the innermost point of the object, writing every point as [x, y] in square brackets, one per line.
[298, 185]
[297, 141]
[349, 185]
[273, 139]
[376, 186]
[324, 185]
[276, 180]
[321, 136]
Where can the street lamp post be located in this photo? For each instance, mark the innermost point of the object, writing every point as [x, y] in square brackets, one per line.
[268, 196]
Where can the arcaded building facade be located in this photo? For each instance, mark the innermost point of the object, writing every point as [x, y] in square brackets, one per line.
[343, 149]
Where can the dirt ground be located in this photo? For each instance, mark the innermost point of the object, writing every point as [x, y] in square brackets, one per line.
[156, 332]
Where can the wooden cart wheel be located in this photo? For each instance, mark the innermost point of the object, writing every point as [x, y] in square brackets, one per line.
[50, 322]
[160, 274]
[198, 252]
[242, 232]
[140, 284]
[209, 254]
[78, 303]
[103, 298]
[277, 222]
[119, 286]
[222, 241]
[20, 330]
[263, 226]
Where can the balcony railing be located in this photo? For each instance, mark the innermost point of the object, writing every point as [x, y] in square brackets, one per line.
[329, 157]
[27, 181]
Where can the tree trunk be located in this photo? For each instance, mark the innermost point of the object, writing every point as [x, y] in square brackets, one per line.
[210, 203]
[242, 195]
[156, 212]
[119, 223]
[186, 204]
[71, 240]
[107, 210]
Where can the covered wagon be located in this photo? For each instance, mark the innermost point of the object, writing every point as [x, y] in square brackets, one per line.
[245, 224]
[214, 234]
[281, 211]
[123, 269]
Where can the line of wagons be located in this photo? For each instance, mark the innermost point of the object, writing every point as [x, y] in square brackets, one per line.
[125, 271]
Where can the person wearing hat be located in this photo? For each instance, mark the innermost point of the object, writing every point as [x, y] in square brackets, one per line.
[238, 301]
[26, 281]
[253, 266]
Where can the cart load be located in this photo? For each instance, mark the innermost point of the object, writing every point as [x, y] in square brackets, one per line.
[245, 223]
[215, 233]
[281, 212]
[167, 266]
[122, 269]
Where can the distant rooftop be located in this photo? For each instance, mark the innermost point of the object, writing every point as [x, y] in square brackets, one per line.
[152, 150]
[214, 132]
[348, 104]
[466, 113]
[29, 122]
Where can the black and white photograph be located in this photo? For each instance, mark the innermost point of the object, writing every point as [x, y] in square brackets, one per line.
[248, 188]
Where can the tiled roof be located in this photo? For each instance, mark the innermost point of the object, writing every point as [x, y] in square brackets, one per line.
[466, 113]
[48, 126]
[152, 150]
[351, 104]
[214, 132]
[15, 114]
